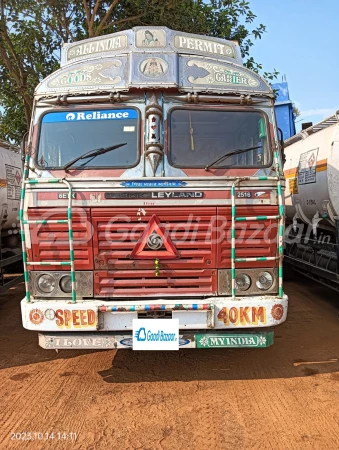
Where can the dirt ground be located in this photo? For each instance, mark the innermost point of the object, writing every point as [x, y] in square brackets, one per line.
[271, 398]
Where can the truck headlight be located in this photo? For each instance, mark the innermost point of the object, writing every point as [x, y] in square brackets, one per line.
[264, 281]
[46, 283]
[242, 282]
[65, 284]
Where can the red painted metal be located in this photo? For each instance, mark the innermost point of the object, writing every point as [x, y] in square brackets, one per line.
[88, 195]
[141, 251]
[201, 235]
[50, 241]
[136, 283]
[117, 232]
[253, 239]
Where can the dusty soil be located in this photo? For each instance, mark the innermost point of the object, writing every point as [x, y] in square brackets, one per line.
[193, 399]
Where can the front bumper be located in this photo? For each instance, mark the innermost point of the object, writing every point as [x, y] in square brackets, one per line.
[214, 313]
[198, 339]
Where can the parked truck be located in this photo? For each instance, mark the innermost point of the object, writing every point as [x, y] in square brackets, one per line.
[10, 188]
[312, 202]
[152, 203]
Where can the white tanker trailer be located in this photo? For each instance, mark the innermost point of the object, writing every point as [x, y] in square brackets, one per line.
[312, 202]
[10, 188]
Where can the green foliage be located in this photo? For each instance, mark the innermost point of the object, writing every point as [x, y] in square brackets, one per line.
[32, 32]
[296, 111]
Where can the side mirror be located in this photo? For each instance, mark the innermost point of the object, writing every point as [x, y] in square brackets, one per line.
[23, 145]
[282, 146]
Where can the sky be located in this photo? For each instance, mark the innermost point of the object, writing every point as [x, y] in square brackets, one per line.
[301, 42]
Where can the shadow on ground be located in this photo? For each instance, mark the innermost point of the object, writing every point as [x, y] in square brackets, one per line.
[310, 335]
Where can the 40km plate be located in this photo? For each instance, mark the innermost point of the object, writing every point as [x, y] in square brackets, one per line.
[155, 334]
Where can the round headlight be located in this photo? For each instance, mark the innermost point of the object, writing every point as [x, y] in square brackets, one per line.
[66, 284]
[264, 281]
[242, 282]
[46, 283]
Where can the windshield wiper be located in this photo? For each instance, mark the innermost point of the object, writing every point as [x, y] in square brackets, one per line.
[92, 154]
[233, 152]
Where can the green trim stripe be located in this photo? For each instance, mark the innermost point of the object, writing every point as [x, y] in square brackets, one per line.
[65, 263]
[44, 222]
[73, 276]
[24, 257]
[26, 277]
[281, 230]
[233, 240]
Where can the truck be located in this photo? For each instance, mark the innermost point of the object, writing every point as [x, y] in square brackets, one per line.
[10, 188]
[312, 202]
[152, 212]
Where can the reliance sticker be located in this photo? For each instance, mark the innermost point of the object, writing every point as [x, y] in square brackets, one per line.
[88, 116]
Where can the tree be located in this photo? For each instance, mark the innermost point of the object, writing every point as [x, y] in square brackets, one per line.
[295, 111]
[31, 34]
[27, 55]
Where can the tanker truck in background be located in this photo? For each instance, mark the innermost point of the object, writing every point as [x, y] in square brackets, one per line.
[312, 202]
[10, 188]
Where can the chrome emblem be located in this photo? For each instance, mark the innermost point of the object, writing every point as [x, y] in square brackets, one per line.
[155, 241]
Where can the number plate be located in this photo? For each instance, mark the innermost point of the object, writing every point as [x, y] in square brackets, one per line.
[244, 194]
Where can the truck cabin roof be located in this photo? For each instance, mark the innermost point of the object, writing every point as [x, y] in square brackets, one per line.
[154, 58]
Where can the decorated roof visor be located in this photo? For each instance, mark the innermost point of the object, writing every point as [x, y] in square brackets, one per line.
[153, 57]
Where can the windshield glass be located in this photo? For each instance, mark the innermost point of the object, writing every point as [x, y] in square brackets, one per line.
[197, 138]
[67, 135]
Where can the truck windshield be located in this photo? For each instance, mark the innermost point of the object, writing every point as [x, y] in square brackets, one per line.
[66, 135]
[199, 137]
